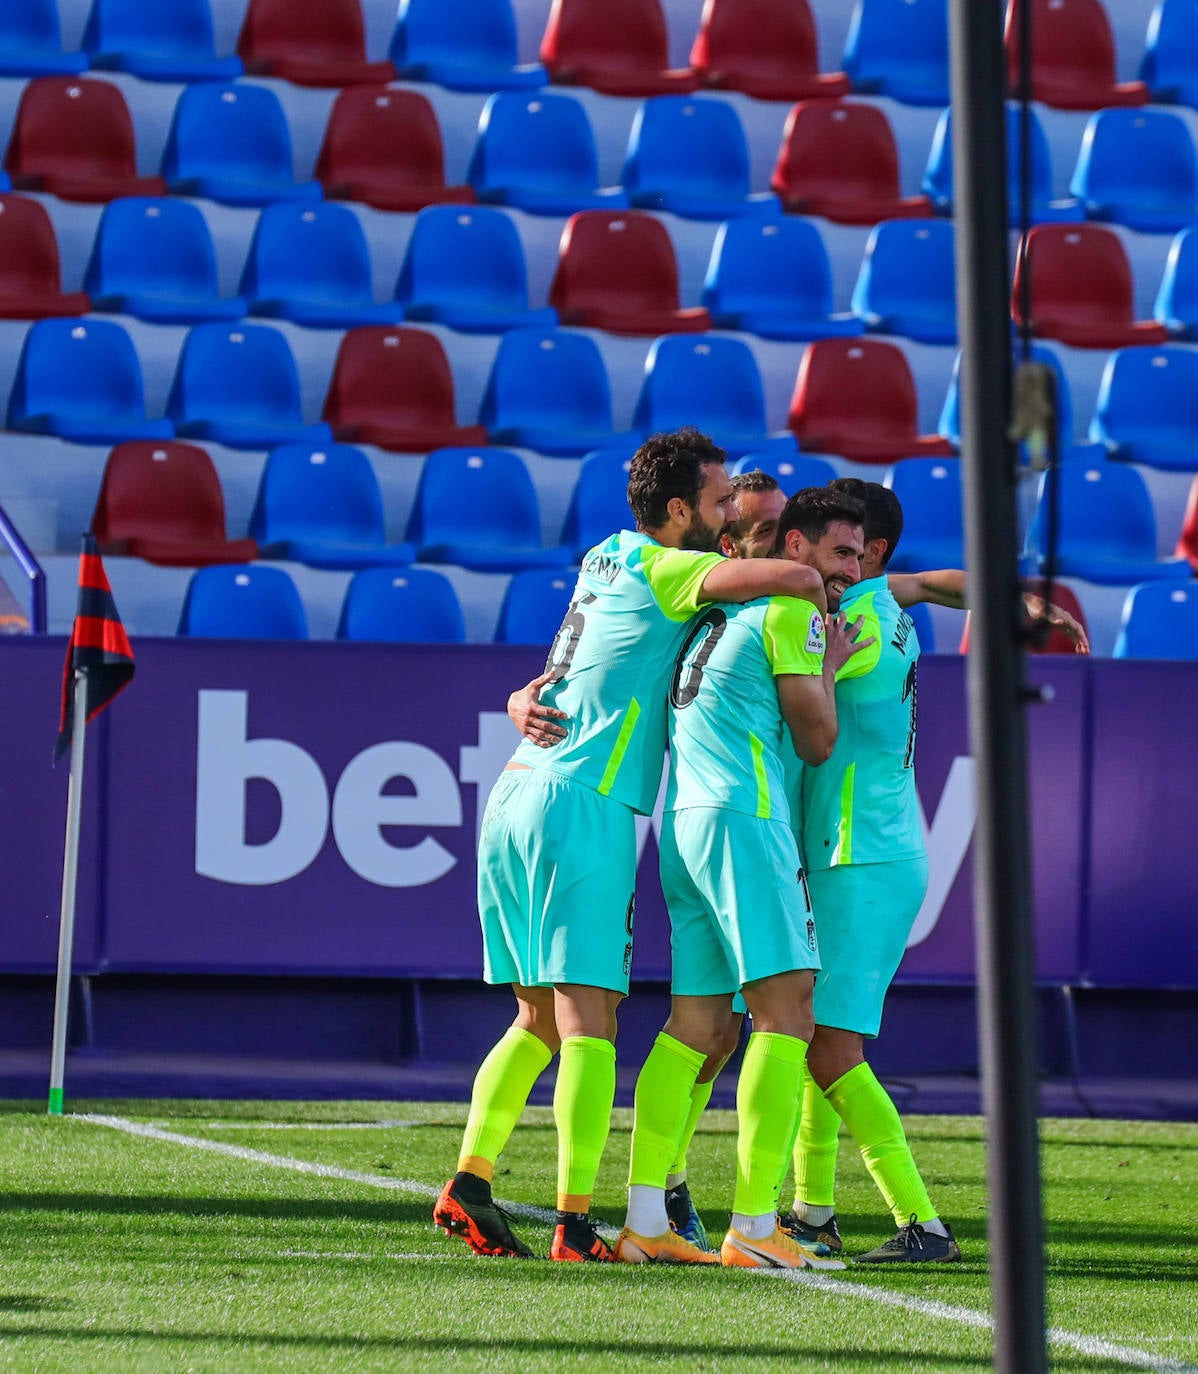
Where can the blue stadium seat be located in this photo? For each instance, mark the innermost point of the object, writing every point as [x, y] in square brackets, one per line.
[467, 46]
[401, 606]
[478, 508]
[240, 601]
[773, 279]
[933, 524]
[922, 617]
[688, 155]
[1147, 407]
[1177, 300]
[464, 267]
[534, 606]
[311, 264]
[906, 284]
[537, 152]
[31, 41]
[323, 507]
[599, 502]
[153, 257]
[81, 380]
[1138, 168]
[548, 391]
[1107, 527]
[238, 385]
[231, 143]
[170, 40]
[1159, 621]
[792, 472]
[938, 176]
[950, 415]
[899, 48]
[1170, 61]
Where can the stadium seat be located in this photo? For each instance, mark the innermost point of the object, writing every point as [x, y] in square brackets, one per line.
[464, 267]
[766, 48]
[907, 281]
[774, 280]
[1081, 288]
[1107, 527]
[467, 46]
[618, 272]
[712, 383]
[950, 415]
[1169, 66]
[383, 146]
[792, 472]
[537, 152]
[933, 523]
[838, 159]
[599, 502]
[548, 391]
[1073, 56]
[899, 48]
[619, 47]
[689, 156]
[1159, 621]
[856, 398]
[534, 606]
[477, 507]
[163, 502]
[938, 177]
[30, 276]
[1138, 168]
[1147, 407]
[1056, 641]
[1187, 540]
[393, 388]
[231, 143]
[312, 45]
[230, 602]
[401, 606]
[31, 41]
[323, 507]
[73, 138]
[238, 385]
[154, 258]
[81, 380]
[167, 41]
[1177, 300]
[921, 617]
[311, 264]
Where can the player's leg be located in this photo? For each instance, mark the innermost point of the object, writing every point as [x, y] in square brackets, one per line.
[813, 1215]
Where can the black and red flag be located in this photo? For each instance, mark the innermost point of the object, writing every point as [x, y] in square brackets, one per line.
[99, 647]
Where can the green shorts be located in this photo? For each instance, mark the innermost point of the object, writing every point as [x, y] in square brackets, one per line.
[738, 911]
[865, 914]
[556, 870]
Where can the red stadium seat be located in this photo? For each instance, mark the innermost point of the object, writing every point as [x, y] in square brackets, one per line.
[1081, 288]
[382, 146]
[163, 502]
[30, 280]
[74, 138]
[766, 48]
[616, 270]
[1187, 543]
[1073, 56]
[619, 47]
[856, 398]
[1056, 641]
[320, 44]
[393, 387]
[839, 159]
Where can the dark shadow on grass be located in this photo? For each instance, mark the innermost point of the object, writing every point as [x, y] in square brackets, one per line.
[28, 1302]
[390, 1211]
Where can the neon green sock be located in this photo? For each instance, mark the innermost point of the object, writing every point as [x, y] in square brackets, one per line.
[700, 1097]
[582, 1103]
[501, 1087]
[874, 1121]
[767, 1098]
[815, 1148]
[664, 1092]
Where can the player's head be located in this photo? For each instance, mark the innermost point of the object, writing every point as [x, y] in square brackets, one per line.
[824, 529]
[759, 502]
[679, 491]
[883, 521]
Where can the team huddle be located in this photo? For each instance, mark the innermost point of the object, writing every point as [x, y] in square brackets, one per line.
[760, 640]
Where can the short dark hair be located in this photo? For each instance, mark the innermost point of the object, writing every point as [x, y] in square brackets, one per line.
[883, 510]
[666, 466]
[812, 510]
[749, 481]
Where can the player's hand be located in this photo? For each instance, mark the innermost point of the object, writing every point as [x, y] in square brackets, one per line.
[842, 641]
[535, 721]
[1059, 619]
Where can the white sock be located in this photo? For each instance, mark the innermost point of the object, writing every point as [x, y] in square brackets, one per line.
[754, 1228]
[814, 1216]
[935, 1226]
[647, 1210]
[673, 1180]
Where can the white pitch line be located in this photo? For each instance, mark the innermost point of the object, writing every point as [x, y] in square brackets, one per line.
[942, 1311]
[312, 1125]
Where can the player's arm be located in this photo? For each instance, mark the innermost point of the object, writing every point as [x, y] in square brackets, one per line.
[535, 721]
[947, 587]
[746, 579]
[807, 692]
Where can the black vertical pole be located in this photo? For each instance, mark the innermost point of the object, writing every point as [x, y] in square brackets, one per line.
[996, 689]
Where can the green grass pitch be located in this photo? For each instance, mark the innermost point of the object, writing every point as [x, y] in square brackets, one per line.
[302, 1240]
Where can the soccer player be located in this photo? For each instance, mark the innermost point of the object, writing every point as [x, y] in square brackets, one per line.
[557, 852]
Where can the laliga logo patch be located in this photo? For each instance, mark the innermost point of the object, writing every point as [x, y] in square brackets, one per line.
[815, 634]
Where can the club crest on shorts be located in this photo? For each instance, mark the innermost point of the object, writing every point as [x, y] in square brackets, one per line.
[815, 634]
